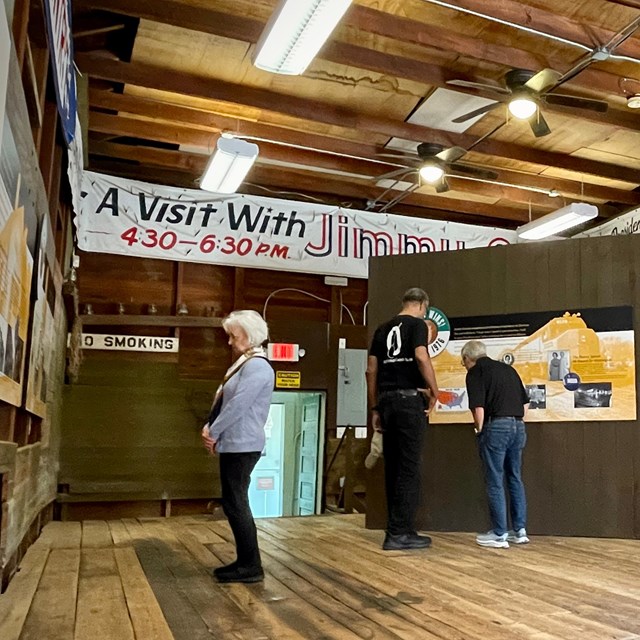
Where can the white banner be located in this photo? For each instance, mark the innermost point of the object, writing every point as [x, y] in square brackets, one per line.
[108, 342]
[139, 219]
[624, 224]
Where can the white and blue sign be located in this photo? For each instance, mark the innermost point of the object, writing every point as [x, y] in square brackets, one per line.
[58, 17]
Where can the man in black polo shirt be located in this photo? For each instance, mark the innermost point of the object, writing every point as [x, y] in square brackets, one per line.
[498, 403]
[398, 366]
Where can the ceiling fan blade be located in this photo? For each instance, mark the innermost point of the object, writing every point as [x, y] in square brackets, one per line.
[543, 80]
[476, 112]
[539, 125]
[477, 172]
[451, 154]
[479, 85]
[577, 103]
[442, 185]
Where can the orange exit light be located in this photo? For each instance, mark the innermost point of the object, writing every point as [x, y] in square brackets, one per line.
[282, 352]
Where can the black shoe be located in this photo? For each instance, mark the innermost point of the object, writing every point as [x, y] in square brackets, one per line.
[242, 574]
[227, 568]
[405, 541]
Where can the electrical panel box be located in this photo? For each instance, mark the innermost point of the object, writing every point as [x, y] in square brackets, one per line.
[352, 388]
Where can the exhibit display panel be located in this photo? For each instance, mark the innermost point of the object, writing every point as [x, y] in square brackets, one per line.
[576, 365]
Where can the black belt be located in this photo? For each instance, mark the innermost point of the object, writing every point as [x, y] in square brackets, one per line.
[405, 393]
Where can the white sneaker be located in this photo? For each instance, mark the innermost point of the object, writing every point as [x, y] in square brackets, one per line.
[518, 537]
[491, 539]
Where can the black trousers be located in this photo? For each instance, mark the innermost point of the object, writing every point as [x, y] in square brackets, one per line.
[235, 476]
[404, 422]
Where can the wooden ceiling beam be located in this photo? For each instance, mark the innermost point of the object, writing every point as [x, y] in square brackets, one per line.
[554, 24]
[570, 188]
[188, 136]
[220, 123]
[634, 4]
[87, 26]
[281, 181]
[331, 185]
[433, 36]
[438, 75]
[196, 163]
[248, 30]
[152, 77]
[180, 15]
[175, 133]
[185, 115]
[301, 181]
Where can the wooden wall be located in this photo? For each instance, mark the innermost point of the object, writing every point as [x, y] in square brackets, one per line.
[28, 444]
[132, 420]
[581, 478]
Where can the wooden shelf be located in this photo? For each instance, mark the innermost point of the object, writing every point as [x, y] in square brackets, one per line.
[149, 321]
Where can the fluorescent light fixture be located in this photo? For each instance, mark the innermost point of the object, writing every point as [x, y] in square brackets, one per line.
[229, 165]
[431, 173]
[522, 108]
[557, 221]
[295, 32]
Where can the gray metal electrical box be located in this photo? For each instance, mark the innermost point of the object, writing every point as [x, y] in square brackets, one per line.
[352, 388]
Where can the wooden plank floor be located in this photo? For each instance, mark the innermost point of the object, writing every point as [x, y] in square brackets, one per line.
[326, 578]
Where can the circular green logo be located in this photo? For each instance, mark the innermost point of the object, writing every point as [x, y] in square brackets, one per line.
[439, 331]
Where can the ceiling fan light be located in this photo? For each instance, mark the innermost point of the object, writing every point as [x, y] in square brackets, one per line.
[431, 173]
[522, 108]
[633, 102]
[558, 221]
[229, 165]
[295, 33]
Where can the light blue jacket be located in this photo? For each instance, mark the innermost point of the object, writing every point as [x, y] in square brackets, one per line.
[246, 398]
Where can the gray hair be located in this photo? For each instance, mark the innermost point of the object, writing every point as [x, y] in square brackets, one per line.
[251, 322]
[474, 350]
[415, 294]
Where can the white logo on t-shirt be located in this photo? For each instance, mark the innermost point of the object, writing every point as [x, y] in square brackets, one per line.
[394, 342]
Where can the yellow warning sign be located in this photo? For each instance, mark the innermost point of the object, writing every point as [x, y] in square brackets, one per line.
[287, 379]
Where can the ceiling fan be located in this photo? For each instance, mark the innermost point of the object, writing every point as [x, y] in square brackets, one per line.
[525, 92]
[434, 163]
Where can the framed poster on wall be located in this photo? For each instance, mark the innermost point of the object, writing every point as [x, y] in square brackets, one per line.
[48, 285]
[16, 265]
[577, 365]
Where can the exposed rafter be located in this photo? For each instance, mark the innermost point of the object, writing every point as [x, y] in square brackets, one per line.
[148, 120]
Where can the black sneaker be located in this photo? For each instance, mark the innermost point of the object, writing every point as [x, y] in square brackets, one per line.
[227, 568]
[405, 541]
[242, 574]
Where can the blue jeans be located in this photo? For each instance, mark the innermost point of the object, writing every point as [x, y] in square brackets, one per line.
[501, 443]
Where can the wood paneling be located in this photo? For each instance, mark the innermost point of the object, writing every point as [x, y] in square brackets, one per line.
[106, 281]
[132, 428]
[581, 478]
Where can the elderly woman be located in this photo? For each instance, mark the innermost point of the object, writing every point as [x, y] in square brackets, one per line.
[235, 431]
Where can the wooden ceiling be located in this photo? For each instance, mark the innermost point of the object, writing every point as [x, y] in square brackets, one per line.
[166, 77]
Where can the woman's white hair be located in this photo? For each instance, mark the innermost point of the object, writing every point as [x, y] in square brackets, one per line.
[474, 350]
[251, 322]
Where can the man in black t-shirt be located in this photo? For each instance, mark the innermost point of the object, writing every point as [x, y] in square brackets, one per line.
[398, 366]
[498, 403]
